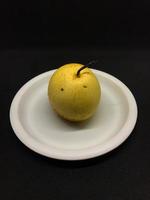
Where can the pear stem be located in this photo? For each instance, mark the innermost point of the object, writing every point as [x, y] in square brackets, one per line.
[78, 72]
[85, 66]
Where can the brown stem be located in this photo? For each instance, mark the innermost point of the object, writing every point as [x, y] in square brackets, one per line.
[78, 72]
[85, 66]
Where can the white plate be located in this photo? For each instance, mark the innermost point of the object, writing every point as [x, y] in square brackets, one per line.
[40, 129]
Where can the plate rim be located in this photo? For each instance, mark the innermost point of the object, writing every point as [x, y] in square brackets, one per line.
[39, 148]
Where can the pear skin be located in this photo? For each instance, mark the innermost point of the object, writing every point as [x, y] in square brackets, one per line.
[73, 97]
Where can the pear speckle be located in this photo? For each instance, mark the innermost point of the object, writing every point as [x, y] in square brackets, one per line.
[84, 86]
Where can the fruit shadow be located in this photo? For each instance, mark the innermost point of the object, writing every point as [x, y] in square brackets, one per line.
[86, 124]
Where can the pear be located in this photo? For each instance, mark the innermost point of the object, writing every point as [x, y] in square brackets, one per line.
[74, 92]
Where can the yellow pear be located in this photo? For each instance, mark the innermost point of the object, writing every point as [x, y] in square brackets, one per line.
[74, 92]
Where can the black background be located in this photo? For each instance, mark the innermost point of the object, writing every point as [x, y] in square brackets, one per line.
[74, 23]
[37, 37]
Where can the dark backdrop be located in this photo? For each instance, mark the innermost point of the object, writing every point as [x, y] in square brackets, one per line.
[74, 22]
[39, 36]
